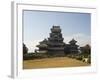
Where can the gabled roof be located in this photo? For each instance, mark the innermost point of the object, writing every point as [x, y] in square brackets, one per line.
[73, 41]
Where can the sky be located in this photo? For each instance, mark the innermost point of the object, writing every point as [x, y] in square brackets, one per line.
[37, 25]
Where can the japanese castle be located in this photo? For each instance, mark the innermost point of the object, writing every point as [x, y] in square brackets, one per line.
[55, 46]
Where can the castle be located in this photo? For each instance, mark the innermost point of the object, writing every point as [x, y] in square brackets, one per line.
[55, 46]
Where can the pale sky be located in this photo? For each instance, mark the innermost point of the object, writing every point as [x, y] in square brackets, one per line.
[37, 25]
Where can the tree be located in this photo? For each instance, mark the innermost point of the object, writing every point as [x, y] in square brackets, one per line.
[25, 49]
[86, 49]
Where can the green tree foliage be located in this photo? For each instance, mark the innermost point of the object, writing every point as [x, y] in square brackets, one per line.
[86, 49]
[25, 49]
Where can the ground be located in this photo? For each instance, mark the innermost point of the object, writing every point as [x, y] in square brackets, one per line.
[53, 62]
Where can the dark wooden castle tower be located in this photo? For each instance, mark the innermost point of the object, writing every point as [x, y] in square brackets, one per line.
[55, 46]
[55, 42]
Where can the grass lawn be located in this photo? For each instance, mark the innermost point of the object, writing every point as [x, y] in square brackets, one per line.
[53, 62]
